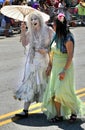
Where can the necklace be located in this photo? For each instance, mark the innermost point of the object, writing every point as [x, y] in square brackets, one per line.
[37, 35]
[37, 39]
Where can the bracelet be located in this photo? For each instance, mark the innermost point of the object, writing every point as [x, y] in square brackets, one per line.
[46, 50]
[64, 70]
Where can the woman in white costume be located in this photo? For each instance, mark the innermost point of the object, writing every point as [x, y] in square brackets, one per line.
[38, 38]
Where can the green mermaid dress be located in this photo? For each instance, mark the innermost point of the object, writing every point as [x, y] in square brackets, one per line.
[63, 90]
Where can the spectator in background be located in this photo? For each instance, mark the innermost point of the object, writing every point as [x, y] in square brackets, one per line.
[62, 8]
[36, 5]
[0, 5]
[18, 2]
[43, 6]
[23, 2]
[15, 2]
[81, 11]
[7, 19]
[50, 7]
[3, 23]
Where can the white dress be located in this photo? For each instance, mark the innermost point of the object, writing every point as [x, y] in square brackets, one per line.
[35, 80]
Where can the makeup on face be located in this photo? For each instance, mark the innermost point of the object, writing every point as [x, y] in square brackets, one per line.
[35, 21]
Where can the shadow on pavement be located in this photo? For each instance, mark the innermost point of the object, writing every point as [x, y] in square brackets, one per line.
[39, 120]
[3, 37]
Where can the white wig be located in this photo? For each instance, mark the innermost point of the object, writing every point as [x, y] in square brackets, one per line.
[40, 18]
[42, 26]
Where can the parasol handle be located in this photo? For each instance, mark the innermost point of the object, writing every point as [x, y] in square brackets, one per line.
[23, 30]
[24, 50]
[23, 17]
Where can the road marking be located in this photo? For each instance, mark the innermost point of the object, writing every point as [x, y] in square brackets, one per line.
[80, 90]
[18, 111]
[10, 120]
[5, 122]
[81, 95]
[33, 106]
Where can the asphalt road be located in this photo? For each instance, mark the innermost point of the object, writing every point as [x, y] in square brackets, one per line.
[12, 60]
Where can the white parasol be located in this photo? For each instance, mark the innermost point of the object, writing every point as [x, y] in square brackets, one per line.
[21, 12]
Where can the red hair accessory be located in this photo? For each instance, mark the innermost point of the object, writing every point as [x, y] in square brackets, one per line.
[61, 17]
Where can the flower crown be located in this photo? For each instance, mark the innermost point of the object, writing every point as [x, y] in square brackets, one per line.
[60, 17]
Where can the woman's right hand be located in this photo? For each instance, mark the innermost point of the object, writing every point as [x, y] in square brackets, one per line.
[62, 75]
[23, 27]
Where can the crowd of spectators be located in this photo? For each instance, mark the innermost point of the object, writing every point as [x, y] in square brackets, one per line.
[51, 7]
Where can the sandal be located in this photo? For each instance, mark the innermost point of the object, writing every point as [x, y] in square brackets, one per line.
[73, 118]
[23, 114]
[56, 119]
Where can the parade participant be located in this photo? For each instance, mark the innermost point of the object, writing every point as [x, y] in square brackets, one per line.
[38, 38]
[59, 98]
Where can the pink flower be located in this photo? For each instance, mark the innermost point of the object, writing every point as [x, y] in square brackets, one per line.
[61, 17]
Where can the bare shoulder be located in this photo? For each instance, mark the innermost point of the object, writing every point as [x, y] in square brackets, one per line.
[51, 30]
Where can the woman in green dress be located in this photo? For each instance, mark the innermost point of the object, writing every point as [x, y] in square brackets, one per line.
[59, 98]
